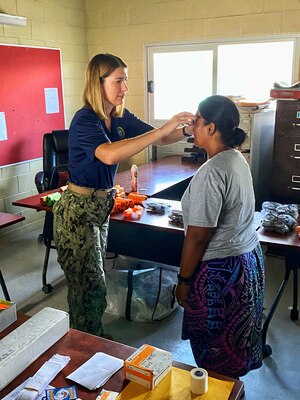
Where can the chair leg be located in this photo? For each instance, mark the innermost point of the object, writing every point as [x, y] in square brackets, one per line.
[4, 288]
[47, 288]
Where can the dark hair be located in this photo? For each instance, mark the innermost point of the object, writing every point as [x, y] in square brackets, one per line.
[224, 114]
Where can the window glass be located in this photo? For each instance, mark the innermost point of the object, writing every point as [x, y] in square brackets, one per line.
[184, 74]
[250, 69]
[181, 80]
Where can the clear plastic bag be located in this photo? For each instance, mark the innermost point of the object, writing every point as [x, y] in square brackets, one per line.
[140, 294]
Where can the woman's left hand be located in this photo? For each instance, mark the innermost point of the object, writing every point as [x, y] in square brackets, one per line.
[181, 293]
[182, 118]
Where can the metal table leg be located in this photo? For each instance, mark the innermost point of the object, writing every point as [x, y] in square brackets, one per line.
[3, 286]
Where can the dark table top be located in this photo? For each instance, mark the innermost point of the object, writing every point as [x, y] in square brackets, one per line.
[80, 347]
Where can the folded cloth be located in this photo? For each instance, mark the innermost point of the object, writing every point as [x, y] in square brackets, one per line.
[96, 371]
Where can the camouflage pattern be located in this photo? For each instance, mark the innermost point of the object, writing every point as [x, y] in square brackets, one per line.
[80, 235]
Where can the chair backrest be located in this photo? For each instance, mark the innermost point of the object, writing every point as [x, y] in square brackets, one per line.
[55, 154]
[59, 176]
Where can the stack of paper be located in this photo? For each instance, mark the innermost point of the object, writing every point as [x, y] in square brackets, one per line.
[96, 371]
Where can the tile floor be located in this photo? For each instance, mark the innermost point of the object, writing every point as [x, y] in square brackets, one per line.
[21, 262]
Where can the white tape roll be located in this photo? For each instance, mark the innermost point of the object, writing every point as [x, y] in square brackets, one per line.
[198, 380]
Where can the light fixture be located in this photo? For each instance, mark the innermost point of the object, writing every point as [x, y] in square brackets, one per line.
[7, 19]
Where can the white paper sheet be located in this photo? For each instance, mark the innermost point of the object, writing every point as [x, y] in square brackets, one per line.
[12, 395]
[41, 379]
[3, 129]
[96, 371]
[51, 100]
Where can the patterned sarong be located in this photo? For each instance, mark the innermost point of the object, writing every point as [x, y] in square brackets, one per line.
[223, 322]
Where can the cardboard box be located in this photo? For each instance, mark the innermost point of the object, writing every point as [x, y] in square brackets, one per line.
[7, 315]
[26, 343]
[148, 366]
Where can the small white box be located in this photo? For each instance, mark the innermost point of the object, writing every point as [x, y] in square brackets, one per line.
[7, 315]
[148, 366]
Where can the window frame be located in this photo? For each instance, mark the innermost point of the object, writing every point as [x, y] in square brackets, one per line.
[208, 44]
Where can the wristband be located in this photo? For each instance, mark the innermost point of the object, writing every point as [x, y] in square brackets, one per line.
[185, 133]
[182, 279]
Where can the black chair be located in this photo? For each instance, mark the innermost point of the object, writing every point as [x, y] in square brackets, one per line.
[55, 153]
[54, 175]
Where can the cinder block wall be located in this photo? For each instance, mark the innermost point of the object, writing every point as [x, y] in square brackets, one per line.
[124, 27]
[50, 23]
[83, 28]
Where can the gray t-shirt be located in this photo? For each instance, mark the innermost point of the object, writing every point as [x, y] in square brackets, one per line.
[221, 196]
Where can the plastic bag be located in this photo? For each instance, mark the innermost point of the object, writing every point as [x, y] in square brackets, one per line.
[279, 218]
[138, 294]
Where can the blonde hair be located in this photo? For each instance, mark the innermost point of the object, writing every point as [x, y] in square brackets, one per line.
[100, 67]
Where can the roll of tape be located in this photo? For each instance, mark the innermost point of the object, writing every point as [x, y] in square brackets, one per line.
[198, 380]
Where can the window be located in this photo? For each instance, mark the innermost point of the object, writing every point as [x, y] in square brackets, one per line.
[179, 78]
[184, 74]
[250, 69]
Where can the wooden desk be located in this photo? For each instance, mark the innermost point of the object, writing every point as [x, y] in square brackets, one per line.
[166, 178]
[291, 246]
[7, 219]
[80, 347]
[153, 237]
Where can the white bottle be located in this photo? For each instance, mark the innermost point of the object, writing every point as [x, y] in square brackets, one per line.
[134, 178]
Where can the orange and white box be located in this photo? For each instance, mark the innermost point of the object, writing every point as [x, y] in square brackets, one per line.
[148, 366]
[8, 314]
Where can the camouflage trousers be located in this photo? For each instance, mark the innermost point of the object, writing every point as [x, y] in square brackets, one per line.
[80, 235]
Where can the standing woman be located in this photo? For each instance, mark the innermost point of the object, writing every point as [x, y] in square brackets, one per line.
[101, 134]
[221, 278]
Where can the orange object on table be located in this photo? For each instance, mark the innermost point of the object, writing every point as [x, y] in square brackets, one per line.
[137, 198]
[122, 204]
[133, 213]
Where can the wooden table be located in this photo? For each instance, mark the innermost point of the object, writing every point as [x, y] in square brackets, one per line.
[153, 237]
[7, 219]
[80, 347]
[168, 177]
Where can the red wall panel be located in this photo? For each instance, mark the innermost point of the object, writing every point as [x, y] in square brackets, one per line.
[25, 72]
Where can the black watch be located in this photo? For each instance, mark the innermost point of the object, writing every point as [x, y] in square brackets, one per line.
[185, 133]
[182, 279]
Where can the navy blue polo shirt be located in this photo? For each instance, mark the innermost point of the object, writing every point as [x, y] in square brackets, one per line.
[87, 131]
